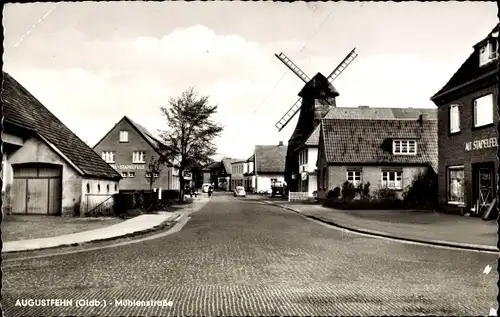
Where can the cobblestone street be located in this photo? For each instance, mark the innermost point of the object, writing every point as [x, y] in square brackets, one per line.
[242, 257]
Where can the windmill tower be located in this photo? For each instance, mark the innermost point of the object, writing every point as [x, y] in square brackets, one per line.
[317, 98]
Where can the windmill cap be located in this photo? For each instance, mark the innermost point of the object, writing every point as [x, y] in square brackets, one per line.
[318, 87]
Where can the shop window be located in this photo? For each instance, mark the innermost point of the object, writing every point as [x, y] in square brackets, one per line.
[456, 188]
[483, 111]
[454, 119]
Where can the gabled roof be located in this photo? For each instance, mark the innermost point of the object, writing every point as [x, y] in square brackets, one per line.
[21, 108]
[211, 166]
[370, 113]
[470, 69]
[270, 158]
[251, 158]
[226, 162]
[368, 141]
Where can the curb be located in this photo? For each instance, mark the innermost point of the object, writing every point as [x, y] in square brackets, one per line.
[465, 246]
[163, 225]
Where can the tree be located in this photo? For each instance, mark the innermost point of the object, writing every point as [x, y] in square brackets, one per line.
[153, 171]
[188, 138]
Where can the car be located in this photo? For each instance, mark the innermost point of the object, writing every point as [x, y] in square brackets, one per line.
[205, 187]
[239, 191]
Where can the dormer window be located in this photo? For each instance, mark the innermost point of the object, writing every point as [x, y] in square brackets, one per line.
[488, 52]
[404, 147]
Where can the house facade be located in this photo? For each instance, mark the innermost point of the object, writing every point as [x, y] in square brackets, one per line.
[308, 152]
[46, 168]
[266, 165]
[467, 114]
[249, 175]
[128, 148]
[210, 173]
[385, 153]
[238, 169]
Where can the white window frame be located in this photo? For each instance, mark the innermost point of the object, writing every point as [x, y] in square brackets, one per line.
[404, 147]
[488, 52]
[131, 174]
[454, 115]
[490, 109]
[109, 156]
[398, 180]
[353, 177]
[448, 187]
[136, 157]
[124, 174]
[123, 136]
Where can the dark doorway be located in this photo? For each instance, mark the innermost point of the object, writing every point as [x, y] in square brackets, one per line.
[483, 185]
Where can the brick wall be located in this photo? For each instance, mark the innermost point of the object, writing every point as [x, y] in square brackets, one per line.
[452, 147]
[123, 156]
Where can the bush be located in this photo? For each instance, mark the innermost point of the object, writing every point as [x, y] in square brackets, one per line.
[364, 204]
[333, 194]
[348, 191]
[387, 195]
[364, 190]
[423, 191]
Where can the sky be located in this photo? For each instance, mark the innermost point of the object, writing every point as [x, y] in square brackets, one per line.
[92, 63]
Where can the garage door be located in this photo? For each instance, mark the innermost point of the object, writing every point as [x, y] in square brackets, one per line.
[37, 189]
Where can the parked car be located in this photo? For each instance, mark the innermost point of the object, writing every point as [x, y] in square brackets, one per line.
[240, 191]
[204, 187]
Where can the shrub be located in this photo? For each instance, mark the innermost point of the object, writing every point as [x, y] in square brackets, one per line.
[387, 195]
[333, 194]
[348, 191]
[364, 190]
[423, 190]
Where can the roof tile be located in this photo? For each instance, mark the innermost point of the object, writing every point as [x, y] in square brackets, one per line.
[270, 158]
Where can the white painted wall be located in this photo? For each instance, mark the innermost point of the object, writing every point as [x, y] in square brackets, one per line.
[264, 181]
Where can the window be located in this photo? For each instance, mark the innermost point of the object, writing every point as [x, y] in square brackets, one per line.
[456, 185]
[131, 174]
[138, 157]
[156, 175]
[324, 178]
[98, 188]
[483, 111]
[116, 187]
[148, 174]
[488, 52]
[392, 180]
[88, 188]
[454, 119]
[124, 174]
[107, 188]
[123, 136]
[404, 147]
[354, 177]
[108, 156]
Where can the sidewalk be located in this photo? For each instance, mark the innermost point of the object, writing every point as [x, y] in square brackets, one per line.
[418, 226]
[137, 225]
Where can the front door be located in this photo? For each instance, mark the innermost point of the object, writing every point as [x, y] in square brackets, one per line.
[485, 190]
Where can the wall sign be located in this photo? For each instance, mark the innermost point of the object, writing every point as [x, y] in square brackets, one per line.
[481, 144]
[128, 167]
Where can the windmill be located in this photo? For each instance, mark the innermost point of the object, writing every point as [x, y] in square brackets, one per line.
[320, 90]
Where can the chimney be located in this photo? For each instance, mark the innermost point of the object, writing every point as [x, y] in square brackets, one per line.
[281, 143]
[422, 118]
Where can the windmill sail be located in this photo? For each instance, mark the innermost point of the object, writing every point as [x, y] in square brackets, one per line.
[288, 115]
[342, 66]
[294, 68]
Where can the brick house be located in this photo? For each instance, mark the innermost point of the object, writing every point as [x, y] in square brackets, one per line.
[128, 147]
[46, 168]
[467, 112]
[308, 152]
[268, 162]
[385, 153]
[224, 174]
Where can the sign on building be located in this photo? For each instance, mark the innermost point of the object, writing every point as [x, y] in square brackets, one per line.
[128, 167]
[481, 144]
